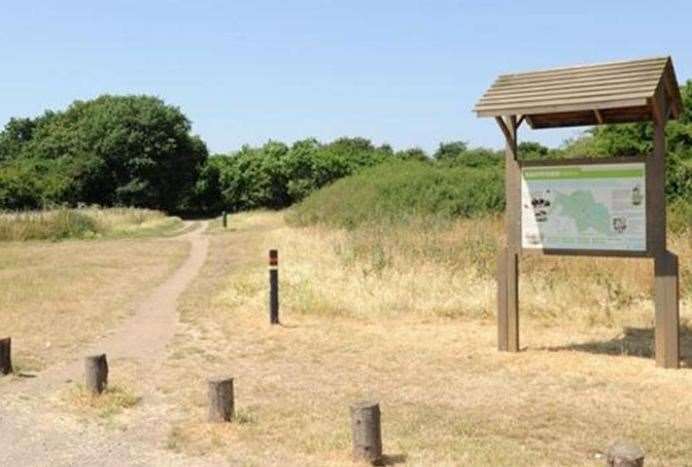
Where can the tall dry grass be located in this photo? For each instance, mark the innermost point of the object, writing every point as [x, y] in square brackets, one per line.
[439, 268]
[63, 223]
[365, 314]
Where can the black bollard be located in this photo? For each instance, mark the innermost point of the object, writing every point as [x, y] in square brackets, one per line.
[5, 356]
[274, 286]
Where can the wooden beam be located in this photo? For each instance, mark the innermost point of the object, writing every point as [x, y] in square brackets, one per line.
[505, 129]
[520, 120]
[599, 116]
[669, 92]
[659, 106]
[497, 110]
[655, 183]
[671, 86]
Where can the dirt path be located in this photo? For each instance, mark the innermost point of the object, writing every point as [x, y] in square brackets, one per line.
[33, 432]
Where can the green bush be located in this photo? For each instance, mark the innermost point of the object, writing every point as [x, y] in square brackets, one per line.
[398, 191]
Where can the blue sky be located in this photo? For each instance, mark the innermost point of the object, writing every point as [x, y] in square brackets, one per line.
[402, 72]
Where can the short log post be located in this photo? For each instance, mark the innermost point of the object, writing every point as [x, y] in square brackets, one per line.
[221, 403]
[5, 356]
[96, 373]
[366, 432]
[624, 453]
[225, 219]
[274, 286]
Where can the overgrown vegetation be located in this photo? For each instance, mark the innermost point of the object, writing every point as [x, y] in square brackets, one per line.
[138, 151]
[60, 224]
[397, 191]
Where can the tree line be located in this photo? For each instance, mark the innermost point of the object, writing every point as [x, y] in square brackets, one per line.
[139, 151]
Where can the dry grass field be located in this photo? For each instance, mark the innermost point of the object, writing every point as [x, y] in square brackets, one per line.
[87, 222]
[55, 296]
[406, 317]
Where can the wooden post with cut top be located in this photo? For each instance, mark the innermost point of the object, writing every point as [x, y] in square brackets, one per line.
[366, 431]
[624, 453]
[644, 90]
[96, 373]
[221, 400]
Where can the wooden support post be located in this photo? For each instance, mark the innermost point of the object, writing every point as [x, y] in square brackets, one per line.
[667, 297]
[508, 260]
[5, 356]
[366, 431]
[224, 219]
[221, 403]
[655, 186]
[96, 373]
[666, 270]
[624, 453]
[274, 286]
[507, 302]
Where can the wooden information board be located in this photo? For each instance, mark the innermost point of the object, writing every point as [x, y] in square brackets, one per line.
[599, 206]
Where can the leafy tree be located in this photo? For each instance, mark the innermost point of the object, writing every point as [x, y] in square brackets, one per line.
[129, 150]
[530, 150]
[478, 157]
[414, 154]
[449, 151]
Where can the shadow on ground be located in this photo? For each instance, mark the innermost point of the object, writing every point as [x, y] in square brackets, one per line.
[392, 459]
[636, 342]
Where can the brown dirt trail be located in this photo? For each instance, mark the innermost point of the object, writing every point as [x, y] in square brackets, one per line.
[33, 432]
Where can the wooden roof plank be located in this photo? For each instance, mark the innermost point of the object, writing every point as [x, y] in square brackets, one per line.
[562, 101]
[582, 66]
[612, 87]
[592, 71]
[553, 108]
[646, 91]
[565, 87]
[551, 80]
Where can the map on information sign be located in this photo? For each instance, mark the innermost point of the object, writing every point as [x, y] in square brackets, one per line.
[584, 207]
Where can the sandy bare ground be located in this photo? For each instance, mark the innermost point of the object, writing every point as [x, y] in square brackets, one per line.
[35, 430]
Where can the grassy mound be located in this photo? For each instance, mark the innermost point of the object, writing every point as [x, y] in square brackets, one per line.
[399, 191]
[60, 224]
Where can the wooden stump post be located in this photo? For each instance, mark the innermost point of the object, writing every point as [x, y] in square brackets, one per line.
[96, 373]
[5, 356]
[221, 403]
[366, 432]
[225, 219]
[624, 453]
